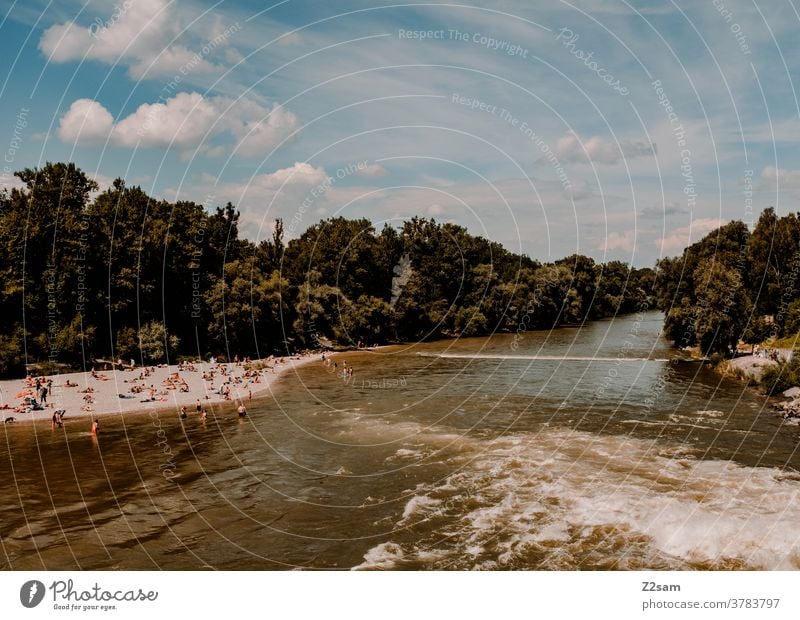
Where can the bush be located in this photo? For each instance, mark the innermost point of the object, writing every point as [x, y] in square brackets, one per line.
[156, 344]
[12, 358]
[777, 379]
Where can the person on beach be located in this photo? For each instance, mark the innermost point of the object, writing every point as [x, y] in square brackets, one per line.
[96, 427]
[57, 423]
[197, 407]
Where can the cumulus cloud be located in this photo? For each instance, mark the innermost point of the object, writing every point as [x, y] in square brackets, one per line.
[571, 148]
[86, 121]
[140, 33]
[185, 121]
[680, 238]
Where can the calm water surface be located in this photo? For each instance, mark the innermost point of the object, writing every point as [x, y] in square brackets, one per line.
[589, 448]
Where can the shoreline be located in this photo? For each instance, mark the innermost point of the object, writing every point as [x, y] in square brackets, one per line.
[107, 400]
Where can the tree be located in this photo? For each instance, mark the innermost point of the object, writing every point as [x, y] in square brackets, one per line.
[84, 276]
[247, 310]
[722, 314]
[155, 343]
[758, 330]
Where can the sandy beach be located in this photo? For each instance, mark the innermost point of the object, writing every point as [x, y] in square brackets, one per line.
[129, 391]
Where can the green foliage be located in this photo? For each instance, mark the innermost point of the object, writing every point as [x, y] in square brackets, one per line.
[722, 288]
[126, 275]
[779, 378]
[791, 322]
[156, 344]
[12, 360]
[705, 293]
[722, 312]
[758, 330]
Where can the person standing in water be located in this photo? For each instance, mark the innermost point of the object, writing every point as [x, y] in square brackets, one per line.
[96, 427]
[242, 411]
[184, 415]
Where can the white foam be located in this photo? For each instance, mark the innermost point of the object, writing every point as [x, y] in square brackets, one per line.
[711, 413]
[616, 498]
[383, 556]
[406, 454]
[418, 504]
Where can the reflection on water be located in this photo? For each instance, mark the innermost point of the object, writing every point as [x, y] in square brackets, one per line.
[577, 448]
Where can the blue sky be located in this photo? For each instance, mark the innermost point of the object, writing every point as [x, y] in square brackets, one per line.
[543, 125]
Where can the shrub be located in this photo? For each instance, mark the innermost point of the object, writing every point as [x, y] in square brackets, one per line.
[776, 379]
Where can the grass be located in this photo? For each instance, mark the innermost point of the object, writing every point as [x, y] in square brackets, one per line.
[787, 342]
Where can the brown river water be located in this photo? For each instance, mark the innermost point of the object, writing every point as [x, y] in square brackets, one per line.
[590, 448]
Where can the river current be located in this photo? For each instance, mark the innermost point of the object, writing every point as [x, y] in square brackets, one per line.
[597, 447]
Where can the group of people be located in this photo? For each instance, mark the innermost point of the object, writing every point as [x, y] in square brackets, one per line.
[347, 371]
[202, 414]
[235, 384]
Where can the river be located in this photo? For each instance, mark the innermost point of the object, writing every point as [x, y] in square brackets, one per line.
[579, 448]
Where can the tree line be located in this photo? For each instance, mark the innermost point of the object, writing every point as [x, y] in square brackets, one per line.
[90, 275]
[734, 285]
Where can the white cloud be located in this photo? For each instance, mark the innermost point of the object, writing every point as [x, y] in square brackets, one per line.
[258, 129]
[619, 241]
[292, 193]
[185, 121]
[9, 182]
[140, 33]
[771, 176]
[85, 121]
[372, 170]
[103, 181]
[571, 148]
[680, 238]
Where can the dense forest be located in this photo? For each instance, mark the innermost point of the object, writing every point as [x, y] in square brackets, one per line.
[120, 274]
[734, 284]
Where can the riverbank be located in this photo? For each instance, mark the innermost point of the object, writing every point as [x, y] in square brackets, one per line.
[120, 392]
